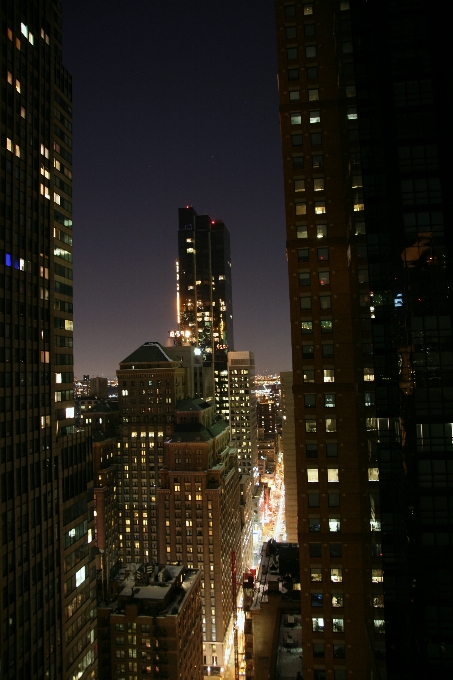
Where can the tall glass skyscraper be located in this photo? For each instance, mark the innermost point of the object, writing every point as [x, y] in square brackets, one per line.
[48, 593]
[366, 139]
[205, 306]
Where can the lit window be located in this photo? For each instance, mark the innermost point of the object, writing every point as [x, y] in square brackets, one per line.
[379, 626]
[313, 95]
[10, 34]
[331, 425]
[299, 185]
[320, 207]
[337, 600]
[315, 574]
[318, 184]
[22, 112]
[310, 51]
[334, 524]
[309, 376]
[307, 329]
[317, 161]
[80, 576]
[338, 625]
[308, 8]
[10, 78]
[332, 475]
[312, 475]
[9, 144]
[69, 412]
[324, 278]
[359, 206]
[302, 231]
[329, 375]
[336, 575]
[301, 208]
[310, 426]
[57, 198]
[326, 325]
[351, 113]
[24, 30]
[373, 474]
[368, 374]
[294, 95]
[17, 85]
[296, 119]
[318, 625]
[315, 116]
[377, 576]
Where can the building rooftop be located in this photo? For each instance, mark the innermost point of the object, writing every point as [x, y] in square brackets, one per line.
[187, 405]
[148, 353]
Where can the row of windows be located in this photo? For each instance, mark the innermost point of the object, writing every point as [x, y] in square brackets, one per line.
[306, 326]
[325, 301]
[315, 139]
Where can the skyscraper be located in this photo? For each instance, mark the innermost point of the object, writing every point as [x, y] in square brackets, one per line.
[366, 150]
[204, 298]
[243, 412]
[48, 574]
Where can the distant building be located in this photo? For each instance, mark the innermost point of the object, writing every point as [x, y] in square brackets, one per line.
[99, 388]
[289, 455]
[101, 416]
[242, 397]
[204, 298]
[267, 416]
[199, 515]
[154, 627]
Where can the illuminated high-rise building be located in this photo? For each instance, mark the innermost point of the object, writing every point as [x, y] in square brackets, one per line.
[367, 142]
[243, 411]
[204, 299]
[48, 589]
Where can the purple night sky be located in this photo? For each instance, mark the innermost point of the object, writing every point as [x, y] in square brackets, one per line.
[175, 103]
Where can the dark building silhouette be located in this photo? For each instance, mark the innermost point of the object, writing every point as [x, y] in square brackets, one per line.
[366, 137]
[48, 594]
[205, 306]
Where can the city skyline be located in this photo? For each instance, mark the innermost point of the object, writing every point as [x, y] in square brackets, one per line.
[159, 128]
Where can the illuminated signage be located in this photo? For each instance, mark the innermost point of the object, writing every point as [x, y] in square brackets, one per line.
[179, 334]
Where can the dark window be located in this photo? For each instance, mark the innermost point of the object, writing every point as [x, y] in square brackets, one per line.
[310, 51]
[339, 675]
[323, 254]
[335, 549]
[318, 650]
[332, 450]
[296, 140]
[319, 674]
[315, 549]
[334, 500]
[314, 524]
[313, 499]
[309, 29]
[304, 278]
[312, 450]
[293, 74]
[307, 351]
[291, 32]
[309, 400]
[327, 351]
[317, 160]
[303, 255]
[290, 11]
[312, 73]
[324, 278]
[339, 652]
[316, 138]
[298, 162]
[316, 600]
[291, 53]
[305, 302]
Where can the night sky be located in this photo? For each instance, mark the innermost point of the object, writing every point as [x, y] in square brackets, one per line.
[175, 103]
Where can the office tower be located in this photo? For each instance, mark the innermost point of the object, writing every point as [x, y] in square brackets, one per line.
[48, 593]
[204, 299]
[267, 417]
[366, 147]
[289, 456]
[199, 516]
[243, 418]
[150, 384]
[154, 628]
